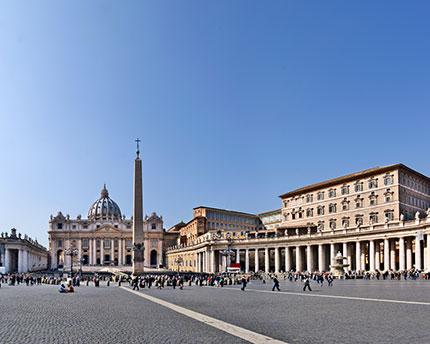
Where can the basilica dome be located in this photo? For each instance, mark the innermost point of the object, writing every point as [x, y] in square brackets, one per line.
[104, 208]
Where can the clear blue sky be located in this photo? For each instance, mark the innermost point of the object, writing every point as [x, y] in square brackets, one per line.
[236, 102]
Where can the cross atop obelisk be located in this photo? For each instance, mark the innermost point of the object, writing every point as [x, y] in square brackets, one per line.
[138, 236]
[137, 149]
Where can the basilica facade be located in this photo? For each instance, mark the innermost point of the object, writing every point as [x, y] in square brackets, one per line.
[104, 238]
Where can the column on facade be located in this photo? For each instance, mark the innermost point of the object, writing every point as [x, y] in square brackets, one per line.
[6, 259]
[67, 258]
[401, 253]
[427, 257]
[346, 253]
[223, 262]
[247, 260]
[332, 253]
[120, 251]
[256, 261]
[299, 266]
[393, 254]
[417, 253]
[287, 258]
[102, 251]
[266, 260]
[94, 251]
[363, 257]
[309, 258]
[112, 250]
[53, 253]
[237, 256]
[358, 255]
[213, 269]
[79, 250]
[207, 262]
[372, 255]
[277, 260]
[321, 258]
[386, 254]
[378, 255]
[409, 253]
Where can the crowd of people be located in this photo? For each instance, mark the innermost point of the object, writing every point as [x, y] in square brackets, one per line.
[214, 280]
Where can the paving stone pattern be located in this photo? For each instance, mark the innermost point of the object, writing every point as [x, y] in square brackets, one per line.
[39, 314]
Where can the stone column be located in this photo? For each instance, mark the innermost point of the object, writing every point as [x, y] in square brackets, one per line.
[256, 261]
[309, 262]
[393, 254]
[363, 257]
[80, 250]
[237, 256]
[277, 262]
[287, 258]
[102, 252]
[358, 255]
[247, 260]
[20, 259]
[321, 258]
[427, 258]
[409, 253]
[213, 269]
[345, 249]
[418, 254]
[299, 265]
[120, 240]
[6, 260]
[378, 255]
[372, 255]
[386, 254]
[332, 253]
[266, 260]
[401, 253]
[112, 250]
[53, 254]
[95, 251]
[224, 263]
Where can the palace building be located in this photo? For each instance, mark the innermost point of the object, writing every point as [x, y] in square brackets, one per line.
[379, 219]
[104, 238]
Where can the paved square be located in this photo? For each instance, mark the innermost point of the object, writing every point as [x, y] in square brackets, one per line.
[110, 314]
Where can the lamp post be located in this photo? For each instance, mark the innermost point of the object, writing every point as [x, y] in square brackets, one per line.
[81, 262]
[71, 252]
[179, 261]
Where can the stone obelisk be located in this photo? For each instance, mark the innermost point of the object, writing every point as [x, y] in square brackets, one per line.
[138, 236]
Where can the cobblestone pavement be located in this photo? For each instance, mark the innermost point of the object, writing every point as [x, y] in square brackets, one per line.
[39, 314]
[304, 319]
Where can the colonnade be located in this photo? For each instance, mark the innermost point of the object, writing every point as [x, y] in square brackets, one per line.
[20, 259]
[361, 254]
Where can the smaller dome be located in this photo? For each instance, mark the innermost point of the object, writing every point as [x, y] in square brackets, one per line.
[104, 208]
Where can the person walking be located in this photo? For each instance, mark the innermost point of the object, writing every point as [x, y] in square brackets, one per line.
[275, 284]
[307, 284]
[243, 284]
[330, 281]
[135, 283]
